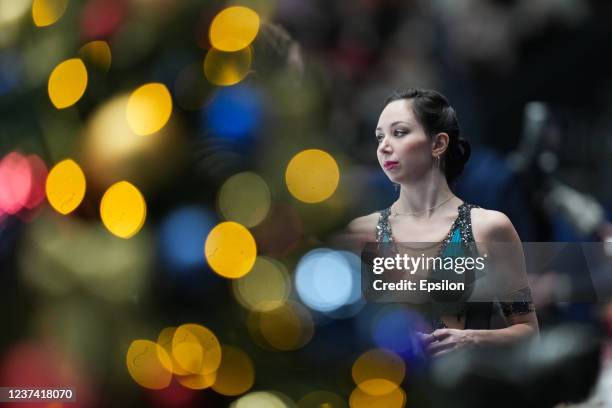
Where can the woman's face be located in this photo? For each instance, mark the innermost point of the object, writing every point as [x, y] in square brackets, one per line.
[404, 149]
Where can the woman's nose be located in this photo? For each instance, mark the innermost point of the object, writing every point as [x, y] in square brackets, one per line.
[384, 145]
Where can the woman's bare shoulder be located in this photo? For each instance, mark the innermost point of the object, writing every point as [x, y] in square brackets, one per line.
[492, 226]
[358, 232]
[366, 223]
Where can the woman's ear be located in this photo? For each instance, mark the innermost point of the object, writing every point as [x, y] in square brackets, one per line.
[440, 144]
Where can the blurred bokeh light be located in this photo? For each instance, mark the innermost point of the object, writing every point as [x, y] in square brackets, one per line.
[227, 68]
[234, 28]
[244, 198]
[123, 209]
[395, 329]
[67, 83]
[378, 372]
[149, 108]
[196, 349]
[197, 381]
[266, 286]
[47, 12]
[111, 151]
[324, 280]
[263, 399]
[361, 399]
[41, 364]
[281, 326]
[97, 53]
[182, 236]
[355, 301]
[165, 341]
[230, 250]
[16, 182]
[312, 176]
[234, 113]
[147, 364]
[102, 18]
[236, 374]
[65, 187]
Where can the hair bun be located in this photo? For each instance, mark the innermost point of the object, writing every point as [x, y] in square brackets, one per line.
[458, 154]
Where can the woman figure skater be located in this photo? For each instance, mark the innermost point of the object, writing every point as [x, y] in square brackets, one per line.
[420, 149]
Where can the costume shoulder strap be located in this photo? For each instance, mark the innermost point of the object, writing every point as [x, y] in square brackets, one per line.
[464, 222]
[383, 228]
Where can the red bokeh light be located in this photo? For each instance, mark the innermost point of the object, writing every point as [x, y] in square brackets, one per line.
[15, 182]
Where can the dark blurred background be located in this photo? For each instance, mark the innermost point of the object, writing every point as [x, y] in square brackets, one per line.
[530, 82]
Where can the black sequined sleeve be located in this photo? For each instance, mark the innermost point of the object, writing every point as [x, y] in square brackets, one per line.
[521, 303]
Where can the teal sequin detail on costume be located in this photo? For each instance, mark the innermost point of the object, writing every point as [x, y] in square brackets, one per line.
[459, 232]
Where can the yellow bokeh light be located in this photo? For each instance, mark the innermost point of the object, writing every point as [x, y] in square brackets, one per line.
[111, 151]
[244, 198]
[288, 326]
[47, 12]
[378, 372]
[234, 28]
[227, 68]
[230, 250]
[149, 108]
[97, 53]
[165, 341]
[197, 381]
[123, 209]
[67, 83]
[196, 349]
[236, 374]
[360, 399]
[65, 186]
[146, 362]
[322, 399]
[261, 289]
[312, 176]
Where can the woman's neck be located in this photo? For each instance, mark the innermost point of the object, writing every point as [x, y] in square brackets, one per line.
[423, 196]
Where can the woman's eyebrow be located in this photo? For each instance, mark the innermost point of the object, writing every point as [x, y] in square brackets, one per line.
[397, 122]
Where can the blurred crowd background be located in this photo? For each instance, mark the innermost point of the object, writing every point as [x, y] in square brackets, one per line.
[172, 174]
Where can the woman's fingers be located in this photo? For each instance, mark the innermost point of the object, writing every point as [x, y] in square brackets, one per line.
[441, 334]
[435, 347]
[425, 338]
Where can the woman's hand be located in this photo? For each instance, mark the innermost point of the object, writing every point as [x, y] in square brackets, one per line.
[442, 341]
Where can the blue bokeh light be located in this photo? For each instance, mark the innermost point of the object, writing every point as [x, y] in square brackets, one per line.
[182, 237]
[355, 301]
[324, 280]
[234, 113]
[396, 328]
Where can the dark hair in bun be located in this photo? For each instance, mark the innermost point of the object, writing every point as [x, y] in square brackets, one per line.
[435, 114]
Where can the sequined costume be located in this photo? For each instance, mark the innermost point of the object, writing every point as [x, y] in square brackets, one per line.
[477, 314]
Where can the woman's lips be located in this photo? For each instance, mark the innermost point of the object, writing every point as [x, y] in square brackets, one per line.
[390, 164]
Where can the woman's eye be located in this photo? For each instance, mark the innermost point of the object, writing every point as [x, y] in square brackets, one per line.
[400, 132]
[379, 138]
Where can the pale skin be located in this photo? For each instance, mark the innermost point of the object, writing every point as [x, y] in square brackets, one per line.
[411, 158]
